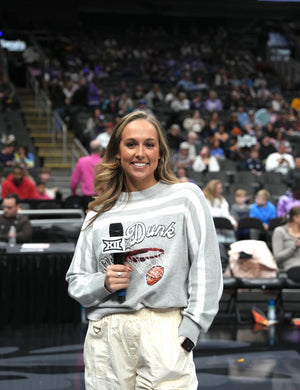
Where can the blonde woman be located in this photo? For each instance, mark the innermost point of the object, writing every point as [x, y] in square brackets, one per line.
[171, 272]
[219, 207]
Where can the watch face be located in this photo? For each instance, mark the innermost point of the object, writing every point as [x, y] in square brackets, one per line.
[187, 344]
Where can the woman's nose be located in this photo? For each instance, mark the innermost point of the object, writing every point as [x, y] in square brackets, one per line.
[140, 150]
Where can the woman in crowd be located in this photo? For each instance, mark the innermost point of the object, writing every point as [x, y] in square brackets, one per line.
[24, 157]
[219, 207]
[204, 162]
[286, 244]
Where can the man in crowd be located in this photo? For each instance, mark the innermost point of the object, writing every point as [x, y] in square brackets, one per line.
[280, 161]
[10, 217]
[84, 172]
[17, 183]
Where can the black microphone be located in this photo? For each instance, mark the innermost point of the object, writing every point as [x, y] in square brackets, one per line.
[116, 230]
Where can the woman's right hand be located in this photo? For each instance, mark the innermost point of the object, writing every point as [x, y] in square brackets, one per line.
[117, 277]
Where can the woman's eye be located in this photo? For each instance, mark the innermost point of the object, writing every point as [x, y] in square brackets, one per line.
[150, 145]
[130, 144]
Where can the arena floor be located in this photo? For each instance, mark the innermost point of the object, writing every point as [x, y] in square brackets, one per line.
[230, 356]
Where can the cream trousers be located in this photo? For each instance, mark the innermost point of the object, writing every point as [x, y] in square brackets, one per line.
[137, 351]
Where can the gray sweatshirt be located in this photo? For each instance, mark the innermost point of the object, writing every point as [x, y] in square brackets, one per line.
[171, 244]
[286, 253]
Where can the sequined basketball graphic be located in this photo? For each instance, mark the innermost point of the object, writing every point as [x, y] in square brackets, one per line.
[155, 274]
[148, 262]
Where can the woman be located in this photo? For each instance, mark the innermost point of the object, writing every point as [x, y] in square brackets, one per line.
[171, 272]
[24, 157]
[286, 244]
[204, 162]
[219, 207]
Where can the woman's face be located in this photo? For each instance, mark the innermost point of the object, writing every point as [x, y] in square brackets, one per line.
[219, 189]
[139, 154]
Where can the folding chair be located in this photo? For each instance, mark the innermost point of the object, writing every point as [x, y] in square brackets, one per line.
[253, 226]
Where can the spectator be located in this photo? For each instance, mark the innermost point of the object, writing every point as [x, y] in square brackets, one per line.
[111, 105]
[95, 126]
[104, 137]
[24, 157]
[196, 102]
[200, 84]
[194, 144]
[181, 159]
[45, 176]
[174, 138]
[142, 105]
[183, 176]
[84, 172]
[94, 95]
[213, 103]
[41, 191]
[215, 148]
[262, 208]
[186, 83]
[240, 208]
[293, 174]
[180, 103]
[266, 148]
[154, 96]
[286, 244]
[12, 217]
[290, 199]
[277, 102]
[125, 103]
[254, 163]
[7, 154]
[194, 122]
[17, 183]
[222, 135]
[204, 162]
[219, 207]
[280, 161]
[263, 115]
[242, 117]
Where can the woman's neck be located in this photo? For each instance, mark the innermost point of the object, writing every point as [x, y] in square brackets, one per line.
[294, 229]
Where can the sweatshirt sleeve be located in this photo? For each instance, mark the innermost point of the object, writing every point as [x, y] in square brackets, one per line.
[205, 283]
[85, 282]
[280, 253]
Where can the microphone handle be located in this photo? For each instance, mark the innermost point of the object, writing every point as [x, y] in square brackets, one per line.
[119, 259]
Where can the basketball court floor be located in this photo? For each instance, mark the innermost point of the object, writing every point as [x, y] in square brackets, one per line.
[231, 356]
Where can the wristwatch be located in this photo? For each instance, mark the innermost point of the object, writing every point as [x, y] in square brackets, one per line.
[187, 344]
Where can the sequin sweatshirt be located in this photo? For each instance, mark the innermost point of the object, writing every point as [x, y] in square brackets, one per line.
[169, 240]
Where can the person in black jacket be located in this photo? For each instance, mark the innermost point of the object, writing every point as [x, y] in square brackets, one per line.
[11, 216]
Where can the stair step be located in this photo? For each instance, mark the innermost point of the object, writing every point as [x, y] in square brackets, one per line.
[57, 144]
[58, 165]
[54, 153]
[37, 127]
[36, 134]
[30, 115]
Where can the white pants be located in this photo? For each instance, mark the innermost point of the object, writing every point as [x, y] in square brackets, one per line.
[138, 351]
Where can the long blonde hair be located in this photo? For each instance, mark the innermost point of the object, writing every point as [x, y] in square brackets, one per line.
[110, 179]
[210, 190]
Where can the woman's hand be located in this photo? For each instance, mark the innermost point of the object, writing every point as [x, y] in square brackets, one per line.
[117, 277]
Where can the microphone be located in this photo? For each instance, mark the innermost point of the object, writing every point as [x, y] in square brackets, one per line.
[116, 230]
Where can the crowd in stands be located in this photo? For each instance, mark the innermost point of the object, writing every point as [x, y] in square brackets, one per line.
[220, 104]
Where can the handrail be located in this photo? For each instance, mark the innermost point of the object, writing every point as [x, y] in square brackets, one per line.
[59, 127]
[55, 124]
[75, 155]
